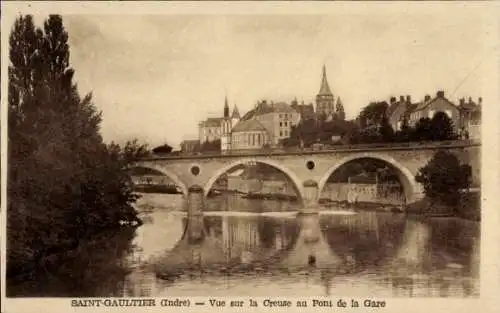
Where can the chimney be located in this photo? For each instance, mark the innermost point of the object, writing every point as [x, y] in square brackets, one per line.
[462, 101]
[393, 99]
[479, 101]
[440, 94]
[427, 98]
[470, 100]
[401, 99]
[408, 98]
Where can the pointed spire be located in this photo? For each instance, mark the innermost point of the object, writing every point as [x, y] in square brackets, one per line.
[340, 109]
[340, 105]
[236, 113]
[325, 88]
[226, 107]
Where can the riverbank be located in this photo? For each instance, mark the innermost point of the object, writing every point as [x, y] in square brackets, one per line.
[468, 208]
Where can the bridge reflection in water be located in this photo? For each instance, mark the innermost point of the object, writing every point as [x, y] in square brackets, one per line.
[365, 253]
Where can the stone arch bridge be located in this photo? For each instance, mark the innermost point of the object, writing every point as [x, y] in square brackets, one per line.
[309, 170]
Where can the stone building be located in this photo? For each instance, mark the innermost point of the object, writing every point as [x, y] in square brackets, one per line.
[276, 118]
[249, 134]
[215, 128]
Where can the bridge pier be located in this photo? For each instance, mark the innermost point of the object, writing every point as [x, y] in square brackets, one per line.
[195, 224]
[310, 203]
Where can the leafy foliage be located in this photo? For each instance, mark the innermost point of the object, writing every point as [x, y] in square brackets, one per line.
[308, 132]
[64, 183]
[443, 177]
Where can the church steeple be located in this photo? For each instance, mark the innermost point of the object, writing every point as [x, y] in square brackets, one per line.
[236, 113]
[226, 108]
[325, 88]
[324, 99]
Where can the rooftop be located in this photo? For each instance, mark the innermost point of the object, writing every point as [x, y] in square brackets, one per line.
[248, 125]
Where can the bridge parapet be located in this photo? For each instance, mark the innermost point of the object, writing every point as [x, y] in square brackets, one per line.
[319, 150]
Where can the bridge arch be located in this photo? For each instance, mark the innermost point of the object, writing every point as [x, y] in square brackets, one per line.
[406, 177]
[290, 174]
[165, 172]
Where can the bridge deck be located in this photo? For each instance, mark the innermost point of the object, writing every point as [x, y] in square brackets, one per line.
[310, 151]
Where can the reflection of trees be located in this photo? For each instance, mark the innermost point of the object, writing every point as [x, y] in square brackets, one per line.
[97, 267]
[454, 237]
[271, 228]
[368, 239]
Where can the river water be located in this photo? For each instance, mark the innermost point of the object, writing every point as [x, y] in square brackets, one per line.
[262, 248]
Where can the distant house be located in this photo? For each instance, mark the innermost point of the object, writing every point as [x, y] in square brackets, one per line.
[430, 106]
[470, 118]
[398, 111]
[466, 117]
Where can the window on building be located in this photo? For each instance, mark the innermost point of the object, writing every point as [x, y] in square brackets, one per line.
[281, 133]
[281, 115]
[258, 139]
[281, 124]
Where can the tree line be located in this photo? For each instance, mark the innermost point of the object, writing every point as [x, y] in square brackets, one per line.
[370, 126]
[64, 182]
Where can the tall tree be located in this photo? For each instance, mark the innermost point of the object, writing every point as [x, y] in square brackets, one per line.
[372, 114]
[443, 177]
[423, 130]
[441, 127]
[64, 182]
[386, 131]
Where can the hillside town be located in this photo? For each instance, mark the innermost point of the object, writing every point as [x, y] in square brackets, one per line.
[276, 124]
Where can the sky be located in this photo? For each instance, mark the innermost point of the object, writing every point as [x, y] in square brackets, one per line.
[156, 76]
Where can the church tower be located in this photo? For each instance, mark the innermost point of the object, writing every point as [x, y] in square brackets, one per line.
[324, 98]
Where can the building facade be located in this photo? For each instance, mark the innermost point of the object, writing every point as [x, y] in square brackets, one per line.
[249, 134]
[430, 106]
[398, 111]
[470, 119]
[277, 119]
[219, 128]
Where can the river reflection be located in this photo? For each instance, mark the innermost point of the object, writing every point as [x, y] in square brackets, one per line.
[280, 253]
[235, 252]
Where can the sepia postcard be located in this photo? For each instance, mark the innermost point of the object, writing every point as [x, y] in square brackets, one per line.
[250, 156]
